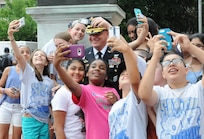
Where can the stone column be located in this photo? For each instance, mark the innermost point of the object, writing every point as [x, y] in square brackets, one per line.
[53, 19]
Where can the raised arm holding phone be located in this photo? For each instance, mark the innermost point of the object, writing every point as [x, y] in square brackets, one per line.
[173, 119]
[36, 88]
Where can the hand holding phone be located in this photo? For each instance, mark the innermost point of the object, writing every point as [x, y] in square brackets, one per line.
[15, 90]
[138, 14]
[114, 31]
[167, 37]
[21, 23]
[77, 51]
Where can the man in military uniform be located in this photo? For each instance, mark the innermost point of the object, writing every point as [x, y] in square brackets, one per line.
[98, 35]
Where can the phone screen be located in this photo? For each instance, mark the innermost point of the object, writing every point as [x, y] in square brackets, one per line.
[114, 31]
[84, 21]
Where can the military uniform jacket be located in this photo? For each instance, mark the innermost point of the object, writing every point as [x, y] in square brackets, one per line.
[113, 59]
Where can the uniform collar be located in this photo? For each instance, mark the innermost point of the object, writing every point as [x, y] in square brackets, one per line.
[102, 51]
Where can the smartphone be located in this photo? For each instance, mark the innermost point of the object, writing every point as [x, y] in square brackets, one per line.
[167, 37]
[21, 23]
[85, 21]
[138, 13]
[114, 31]
[15, 90]
[77, 51]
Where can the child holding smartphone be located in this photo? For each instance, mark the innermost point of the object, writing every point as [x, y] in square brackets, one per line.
[179, 104]
[35, 89]
[128, 116]
[95, 99]
[10, 110]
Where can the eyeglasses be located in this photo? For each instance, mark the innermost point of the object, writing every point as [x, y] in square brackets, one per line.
[174, 61]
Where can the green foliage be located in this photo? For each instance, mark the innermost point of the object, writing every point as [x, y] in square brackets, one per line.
[179, 15]
[15, 10]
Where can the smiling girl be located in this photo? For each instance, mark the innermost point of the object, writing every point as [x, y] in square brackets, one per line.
[95, 99]
[35, 89]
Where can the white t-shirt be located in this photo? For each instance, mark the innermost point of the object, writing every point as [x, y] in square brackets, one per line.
[62, 101]
[180, 112]
[142, 65]
[128, 119]
[50, 48]
[35, 95]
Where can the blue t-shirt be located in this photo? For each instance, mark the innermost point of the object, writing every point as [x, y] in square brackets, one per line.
[36, 95]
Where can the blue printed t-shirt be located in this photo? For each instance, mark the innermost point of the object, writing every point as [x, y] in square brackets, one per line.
[180, 112]
[36, 95]
[128, 119]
